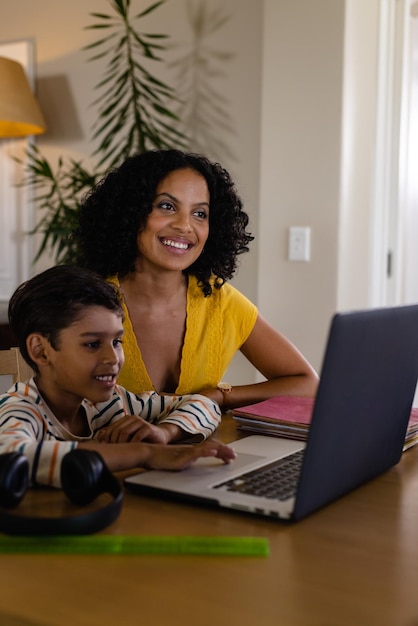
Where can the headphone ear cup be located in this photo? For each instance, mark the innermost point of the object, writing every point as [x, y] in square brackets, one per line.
[83, 476]
[14, 478]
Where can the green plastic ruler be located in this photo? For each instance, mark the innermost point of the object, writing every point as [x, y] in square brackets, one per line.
[134, 544]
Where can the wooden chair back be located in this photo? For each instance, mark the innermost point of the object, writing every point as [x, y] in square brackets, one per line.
[12, 364]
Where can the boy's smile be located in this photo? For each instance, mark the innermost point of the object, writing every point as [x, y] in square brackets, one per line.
[87, 361]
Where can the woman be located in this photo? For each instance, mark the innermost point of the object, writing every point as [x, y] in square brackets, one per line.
[167, 227]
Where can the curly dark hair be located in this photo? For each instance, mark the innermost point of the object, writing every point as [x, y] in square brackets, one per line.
[116, 210]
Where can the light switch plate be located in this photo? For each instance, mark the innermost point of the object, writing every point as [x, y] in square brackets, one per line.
[299, 243]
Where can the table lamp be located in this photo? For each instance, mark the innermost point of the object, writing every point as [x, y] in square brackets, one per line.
[20, 114]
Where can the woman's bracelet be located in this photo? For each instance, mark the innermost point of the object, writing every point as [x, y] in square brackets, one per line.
[226, 389]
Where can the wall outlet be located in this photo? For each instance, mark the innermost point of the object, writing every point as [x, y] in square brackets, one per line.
[299, 243]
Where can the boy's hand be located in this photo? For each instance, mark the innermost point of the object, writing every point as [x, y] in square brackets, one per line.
[135, 428]
[179, 457]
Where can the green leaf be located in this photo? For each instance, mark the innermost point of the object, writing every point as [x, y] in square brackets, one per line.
[96, 26]
[101, 16]
[151, 8]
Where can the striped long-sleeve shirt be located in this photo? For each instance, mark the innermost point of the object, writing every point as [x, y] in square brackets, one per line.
[27, 424]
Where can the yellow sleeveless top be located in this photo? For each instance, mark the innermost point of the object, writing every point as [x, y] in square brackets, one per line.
[216, 327]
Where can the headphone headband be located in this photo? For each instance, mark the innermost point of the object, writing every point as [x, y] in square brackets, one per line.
[84, 476]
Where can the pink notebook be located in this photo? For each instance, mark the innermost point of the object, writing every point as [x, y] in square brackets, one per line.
[290, 416]
[286, 409]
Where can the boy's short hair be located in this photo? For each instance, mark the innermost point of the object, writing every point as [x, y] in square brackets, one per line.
[54, 299]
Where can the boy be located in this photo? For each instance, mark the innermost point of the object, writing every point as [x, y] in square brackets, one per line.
[68, 323]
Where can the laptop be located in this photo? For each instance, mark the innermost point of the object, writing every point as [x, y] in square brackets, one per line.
[359, 421]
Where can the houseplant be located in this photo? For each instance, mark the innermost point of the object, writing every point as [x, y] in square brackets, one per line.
[132, 116]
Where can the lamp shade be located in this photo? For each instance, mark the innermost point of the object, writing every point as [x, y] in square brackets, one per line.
[20, 114]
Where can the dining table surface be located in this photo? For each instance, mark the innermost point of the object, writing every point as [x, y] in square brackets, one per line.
[352, 563]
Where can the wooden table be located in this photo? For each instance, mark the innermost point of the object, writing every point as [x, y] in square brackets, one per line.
[353, 563]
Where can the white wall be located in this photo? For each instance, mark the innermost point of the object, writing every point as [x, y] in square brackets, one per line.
[357, 152]
[410, 286]
[318, 141]
[300, 165]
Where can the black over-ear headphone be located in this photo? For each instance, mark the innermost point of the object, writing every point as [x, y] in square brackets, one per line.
[84, 476]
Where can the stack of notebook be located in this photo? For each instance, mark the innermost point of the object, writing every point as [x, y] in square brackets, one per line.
[412, 433]
[290, 416]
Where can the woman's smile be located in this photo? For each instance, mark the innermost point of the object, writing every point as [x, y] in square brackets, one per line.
[178, 222]
[176, 244]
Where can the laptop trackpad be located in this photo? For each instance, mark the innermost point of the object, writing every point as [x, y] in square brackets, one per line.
[243, 460]
[203, 473]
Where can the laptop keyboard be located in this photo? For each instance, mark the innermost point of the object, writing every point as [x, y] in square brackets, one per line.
[277, 481]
